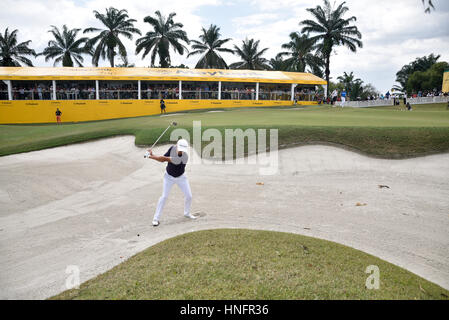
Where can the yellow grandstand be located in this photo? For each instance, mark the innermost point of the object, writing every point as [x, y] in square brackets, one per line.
[31, 95]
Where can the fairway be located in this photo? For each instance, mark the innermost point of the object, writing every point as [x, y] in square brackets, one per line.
[385, 132]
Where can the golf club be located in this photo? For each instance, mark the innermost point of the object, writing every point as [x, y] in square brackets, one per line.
[171, 124]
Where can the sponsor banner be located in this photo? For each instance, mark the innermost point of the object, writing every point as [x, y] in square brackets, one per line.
[43, 111]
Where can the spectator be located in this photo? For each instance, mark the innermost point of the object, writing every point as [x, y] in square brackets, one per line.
[58, 115]
[163, 106]
[22, 93]
[334, 96]
[39, 92]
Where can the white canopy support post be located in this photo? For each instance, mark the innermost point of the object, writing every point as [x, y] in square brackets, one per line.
[8, 83]
[219, 90]
[139, 91]
[257, 90]
[180, 89]
[53, 83]
[325, 91]
[292, 98]
[97, 91]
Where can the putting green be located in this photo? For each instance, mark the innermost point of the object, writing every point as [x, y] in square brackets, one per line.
[385, 132]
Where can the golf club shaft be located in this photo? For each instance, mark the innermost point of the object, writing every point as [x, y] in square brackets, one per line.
[160, 136]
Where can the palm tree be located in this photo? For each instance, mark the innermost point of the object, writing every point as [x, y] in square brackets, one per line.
[125, 64]
[13, 54]
[278, 64]
[251, 57]
[349, 82]
[166, 34]
[330, 29]
[66, 47]
[209, 45]
[300, 52]
[318, 69]
[356, 90]
[117, 24]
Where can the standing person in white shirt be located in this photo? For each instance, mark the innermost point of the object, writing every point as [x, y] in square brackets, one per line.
[176, 158]
[39, 92]
[334, 96]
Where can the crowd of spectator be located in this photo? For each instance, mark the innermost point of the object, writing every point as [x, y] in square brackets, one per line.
[196, 90]
[238, 92]
[275, 92]
[86, 90]
[395, 96]
[433, 93]
[111, 91]
[160, 91]
[39, 92]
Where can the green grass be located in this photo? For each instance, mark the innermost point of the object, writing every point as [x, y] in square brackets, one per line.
[244, 264]
[384, 132]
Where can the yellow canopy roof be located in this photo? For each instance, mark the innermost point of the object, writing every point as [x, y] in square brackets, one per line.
[446, 81]
[38, 73]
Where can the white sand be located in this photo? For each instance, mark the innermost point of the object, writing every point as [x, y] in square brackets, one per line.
[84, 205]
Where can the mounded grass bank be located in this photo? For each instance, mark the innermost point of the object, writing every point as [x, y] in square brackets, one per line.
[246, 264]
[378, 142]
[381, 132]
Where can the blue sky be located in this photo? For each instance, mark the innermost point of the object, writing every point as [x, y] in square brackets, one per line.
[394, 32]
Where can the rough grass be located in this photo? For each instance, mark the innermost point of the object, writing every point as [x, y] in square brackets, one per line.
[244, 264]
[383, 132]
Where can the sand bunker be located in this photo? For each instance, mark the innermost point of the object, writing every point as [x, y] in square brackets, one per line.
[85, 204]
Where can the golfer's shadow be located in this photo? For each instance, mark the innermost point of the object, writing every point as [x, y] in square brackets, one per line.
[198, 214]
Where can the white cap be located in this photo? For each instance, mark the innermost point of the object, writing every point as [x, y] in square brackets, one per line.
[182, 145]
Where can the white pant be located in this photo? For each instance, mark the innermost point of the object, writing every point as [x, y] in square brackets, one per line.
[343, 101]
[183, 184]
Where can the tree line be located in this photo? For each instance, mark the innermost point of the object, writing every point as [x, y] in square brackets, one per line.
[308, 50]
[422, 74]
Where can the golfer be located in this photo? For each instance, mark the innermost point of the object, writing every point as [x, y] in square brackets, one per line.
[176, 158]
[343, 98]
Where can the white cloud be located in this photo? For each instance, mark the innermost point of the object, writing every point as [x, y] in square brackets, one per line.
[394, 32]
[272, 5]
[33, 19]
[254, 19]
